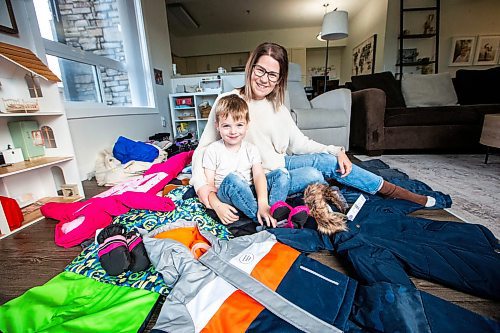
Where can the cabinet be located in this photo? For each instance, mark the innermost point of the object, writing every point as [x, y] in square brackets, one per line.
[210, 63]
[207, 64]
[187, 117]
[234, 61]
[418, 38]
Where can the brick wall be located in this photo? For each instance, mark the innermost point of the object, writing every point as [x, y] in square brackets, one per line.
[94, 26]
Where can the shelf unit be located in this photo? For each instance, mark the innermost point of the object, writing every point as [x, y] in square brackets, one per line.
[36, 180]
[419, 38]
[185, 112]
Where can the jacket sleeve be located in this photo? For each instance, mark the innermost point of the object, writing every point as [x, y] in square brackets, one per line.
[303, 240]
[149, 201]
[300, 144]
[373, 264]
[183, 274]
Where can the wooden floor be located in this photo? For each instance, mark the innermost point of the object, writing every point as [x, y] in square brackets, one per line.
[30, 258]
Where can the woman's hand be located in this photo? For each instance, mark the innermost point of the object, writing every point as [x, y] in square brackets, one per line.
[345, 165]
[226, 213]
[264, 214]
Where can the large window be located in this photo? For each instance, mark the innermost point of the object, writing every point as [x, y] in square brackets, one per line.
[97, 49]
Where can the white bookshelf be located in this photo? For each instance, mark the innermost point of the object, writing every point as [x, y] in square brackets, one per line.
[186, 115]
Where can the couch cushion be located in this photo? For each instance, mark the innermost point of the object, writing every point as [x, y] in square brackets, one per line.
[478, 86]
[320, 118]
[426, 116]
[428, 90]
[294, 72]
[384, 81]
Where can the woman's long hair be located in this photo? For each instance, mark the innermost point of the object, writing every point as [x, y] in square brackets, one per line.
[278, 53]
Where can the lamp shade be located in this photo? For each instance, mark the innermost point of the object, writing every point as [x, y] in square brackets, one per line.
[335, 25]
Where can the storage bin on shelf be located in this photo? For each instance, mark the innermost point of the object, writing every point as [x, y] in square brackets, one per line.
[184, 101]
[204, 109]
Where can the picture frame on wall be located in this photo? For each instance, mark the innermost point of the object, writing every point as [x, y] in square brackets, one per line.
[462, 50]
[363, 56]
[487, 51]
[7, 20]
[158, 76]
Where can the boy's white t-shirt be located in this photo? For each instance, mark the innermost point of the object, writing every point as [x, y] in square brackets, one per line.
[223, 161]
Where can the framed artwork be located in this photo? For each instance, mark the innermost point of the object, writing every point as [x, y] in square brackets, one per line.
[363, 57]
[487, 51]
[7, 20]
[37, 138]
[462, 49]
[158, 76]
[409, 56]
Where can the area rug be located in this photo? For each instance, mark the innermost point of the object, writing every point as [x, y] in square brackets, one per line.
[473, 186]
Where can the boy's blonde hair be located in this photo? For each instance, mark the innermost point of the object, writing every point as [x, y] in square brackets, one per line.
[231, 105]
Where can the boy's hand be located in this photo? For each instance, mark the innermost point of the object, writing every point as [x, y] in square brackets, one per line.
[226, 213]
[264, 214]
[204, 192]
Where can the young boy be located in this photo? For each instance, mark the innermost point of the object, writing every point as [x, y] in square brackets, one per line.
[234, 167]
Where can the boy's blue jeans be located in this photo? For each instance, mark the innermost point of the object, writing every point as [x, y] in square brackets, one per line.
[301, 171]
[311, 168]
[236, 192]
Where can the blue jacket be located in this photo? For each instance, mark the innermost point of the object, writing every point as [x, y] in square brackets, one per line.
[393, 307]
[384, 244]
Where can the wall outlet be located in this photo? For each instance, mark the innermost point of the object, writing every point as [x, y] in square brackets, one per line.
[163, 122]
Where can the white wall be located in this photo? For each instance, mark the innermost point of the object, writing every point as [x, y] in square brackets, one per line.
[466, 18]
[371, 19]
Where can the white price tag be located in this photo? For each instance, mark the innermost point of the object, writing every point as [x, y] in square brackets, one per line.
[356, 207]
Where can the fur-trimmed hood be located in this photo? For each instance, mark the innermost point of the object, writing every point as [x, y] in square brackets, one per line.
[317, 197]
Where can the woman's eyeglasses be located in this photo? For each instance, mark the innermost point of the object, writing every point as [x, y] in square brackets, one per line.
[261, 71]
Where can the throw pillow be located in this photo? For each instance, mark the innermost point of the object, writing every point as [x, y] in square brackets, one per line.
[428, 90]
[385, 81]
[478, 86]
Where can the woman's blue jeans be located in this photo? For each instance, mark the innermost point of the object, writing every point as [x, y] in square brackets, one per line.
[311, 168]
[236, 192]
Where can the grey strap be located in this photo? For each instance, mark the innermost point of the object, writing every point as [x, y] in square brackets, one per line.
[270, 299]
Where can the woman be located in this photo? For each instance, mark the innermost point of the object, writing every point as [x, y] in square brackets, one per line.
[281, 143]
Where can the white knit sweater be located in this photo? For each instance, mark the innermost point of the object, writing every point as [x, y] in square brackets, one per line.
[274, 133]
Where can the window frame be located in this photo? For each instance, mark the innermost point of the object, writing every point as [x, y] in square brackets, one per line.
[80, 109]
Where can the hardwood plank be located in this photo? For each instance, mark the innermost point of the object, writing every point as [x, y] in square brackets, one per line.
[31, 258]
